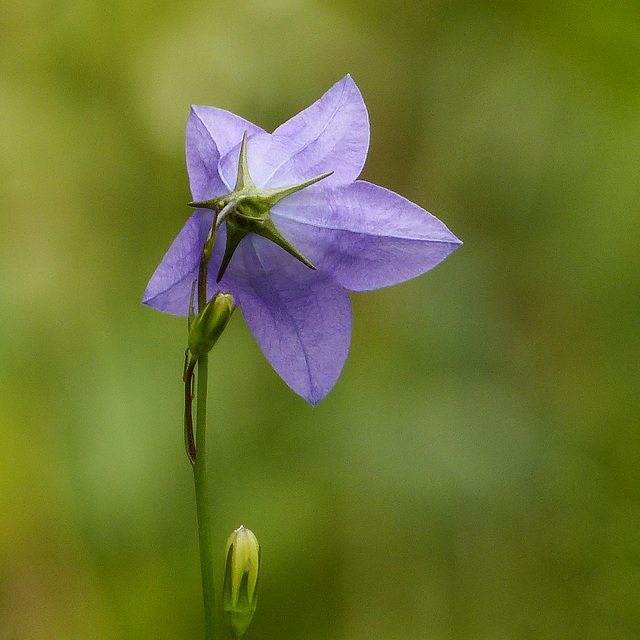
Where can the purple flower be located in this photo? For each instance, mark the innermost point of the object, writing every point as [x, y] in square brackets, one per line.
[358, 236]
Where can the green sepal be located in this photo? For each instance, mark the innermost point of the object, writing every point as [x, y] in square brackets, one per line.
[263, 227]
[244, 181]
[268, 230]
[234, 235]
[273, 196]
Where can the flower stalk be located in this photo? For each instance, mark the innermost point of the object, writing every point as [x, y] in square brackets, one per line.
[196, 447]
[202, 502]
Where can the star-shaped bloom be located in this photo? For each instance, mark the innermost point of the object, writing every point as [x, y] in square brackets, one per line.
[340, 233]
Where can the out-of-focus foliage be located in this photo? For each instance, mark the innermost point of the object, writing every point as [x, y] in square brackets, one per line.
[476, 471]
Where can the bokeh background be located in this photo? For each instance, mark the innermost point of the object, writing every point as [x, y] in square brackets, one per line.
[475, 474]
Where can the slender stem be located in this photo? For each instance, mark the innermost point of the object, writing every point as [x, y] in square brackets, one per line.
[207, 250]
[202, 503]
[198, 454]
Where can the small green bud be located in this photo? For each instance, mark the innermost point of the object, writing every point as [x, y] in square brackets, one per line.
[208, 325]
[240, 588]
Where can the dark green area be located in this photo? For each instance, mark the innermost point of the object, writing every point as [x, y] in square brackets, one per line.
[475, 474]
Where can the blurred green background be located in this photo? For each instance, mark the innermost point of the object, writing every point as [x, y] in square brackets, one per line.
[476, 471]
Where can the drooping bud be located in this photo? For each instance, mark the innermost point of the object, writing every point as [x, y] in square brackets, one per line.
[208, 325]
[240, 588]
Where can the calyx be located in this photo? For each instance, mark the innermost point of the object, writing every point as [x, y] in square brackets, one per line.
[247, 210]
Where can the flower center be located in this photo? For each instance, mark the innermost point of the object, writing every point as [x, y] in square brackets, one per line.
[247, 209]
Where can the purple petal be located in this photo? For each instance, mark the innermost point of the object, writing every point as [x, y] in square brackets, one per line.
[202, 159]
[366, 236]
[330, 135]
[225, 128]
[169, 289]
[300, 318]
[211, 133]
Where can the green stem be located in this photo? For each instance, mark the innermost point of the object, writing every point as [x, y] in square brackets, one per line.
[202, 503]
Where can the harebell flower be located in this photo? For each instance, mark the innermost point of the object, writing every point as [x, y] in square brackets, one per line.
[283, 228]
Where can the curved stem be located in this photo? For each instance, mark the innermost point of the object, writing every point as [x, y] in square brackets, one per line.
[202, 503]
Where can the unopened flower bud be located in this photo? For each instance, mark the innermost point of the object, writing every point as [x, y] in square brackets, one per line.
[239, 592]
[209, 324]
